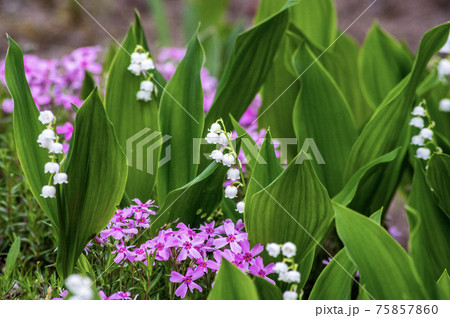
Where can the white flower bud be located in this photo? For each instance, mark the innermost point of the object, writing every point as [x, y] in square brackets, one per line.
[289, 249]
[417, 140]
[290, 295]
[240, 207]
[423, 153]
[60, 178]
[224, 139]
[444, 105]
[417, 122]
[273, 249]
[46, 117]
[144, 95]
[147, 64]
[137, 58]
[418, 111]
[135, 69]
[231, 192]
[280, 267]
[48, 191]
[215, 128]
[293, 277]
[233, 174]
[426, 133]
[56, 147]
[217, 155]
[228, 159]
[51, 167]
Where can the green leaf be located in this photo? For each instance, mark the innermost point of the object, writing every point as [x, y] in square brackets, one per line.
[88, 85]
[132, 119]
[295, 207]
[340, 61]
[383, 63]
[267, 168]
[97, 174]
[346, 195]
[324, 116]
[388, 129]
[336, 280]
[317, 20]
[247, 67]
[27, 128]
[429, 228]
[232, 284]
[266, 290]
[181, 117]
[438, 177]
[444, 285]
[385, 267]
[11, 258]
[249, 146]
[200, 196]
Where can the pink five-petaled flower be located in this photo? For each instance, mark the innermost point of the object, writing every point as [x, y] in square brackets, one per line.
[249, 254]
[144, 206]
[186, 281]
[231, 238]
[204, 263]
[208, 229]
[123, 253]
[258, 269]
[188, 247]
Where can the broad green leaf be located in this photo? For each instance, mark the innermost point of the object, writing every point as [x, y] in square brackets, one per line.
[11, 258]
[340, 61]
[267, 168]
[181, 117]
[383, 63]
[249, 146]
[317, 20]
[336, 280]
[88, 85]
[295, 207]
[266, 290]
[135, 122]
[444, 285]
[200, 196]
[429, 228]
[247, 67]
[438, 178]
[385, 267]
[346, 195]
[97, 174]
[27, 128]
[388, 129]
[323, 115]
[232, 284]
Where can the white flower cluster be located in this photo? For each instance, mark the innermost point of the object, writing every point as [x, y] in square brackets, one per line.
[219, 136]
[286, 269]
[80, 287]
[49, 140]
[141, 63]
[425, 134]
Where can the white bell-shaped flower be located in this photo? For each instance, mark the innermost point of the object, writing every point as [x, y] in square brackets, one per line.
[46, 117]
[231, 192]
[417, 140]
[56, 147]
[240, 207]
[60, 178]
[444, 105]
[426, 133]
[51, 167]
[418, 111]
[48, 191]
[147, 64]
[228, 159]
[280, 267]
[233, 174]
[215, 128]
[293, 277]
[217, 155]
[147, 86]
[444, 67]
[417, 122]
[423, 153]
[144, 96]
[290, 295]
[135, 69]
[273, 249]
[289, 249]
[212, 138]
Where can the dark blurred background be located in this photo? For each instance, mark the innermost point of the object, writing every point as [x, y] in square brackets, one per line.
[51, 28]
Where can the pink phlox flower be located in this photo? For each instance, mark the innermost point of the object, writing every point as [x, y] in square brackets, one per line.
[232, 238]
[187, 247]
[233, 258]
[186, 281]
[123, 253]
[66, 129]
[208, 229]
[146, 207]
[186, 229]
[249, 254]
[258, 269]
[140, 254]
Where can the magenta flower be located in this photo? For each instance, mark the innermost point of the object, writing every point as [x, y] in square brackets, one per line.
[66, 129]
[186, 282]
[258, 269]
[231, 238]
[145, 207]
[123, 253]
[208, 229]
[247, 254]
[188, 247]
